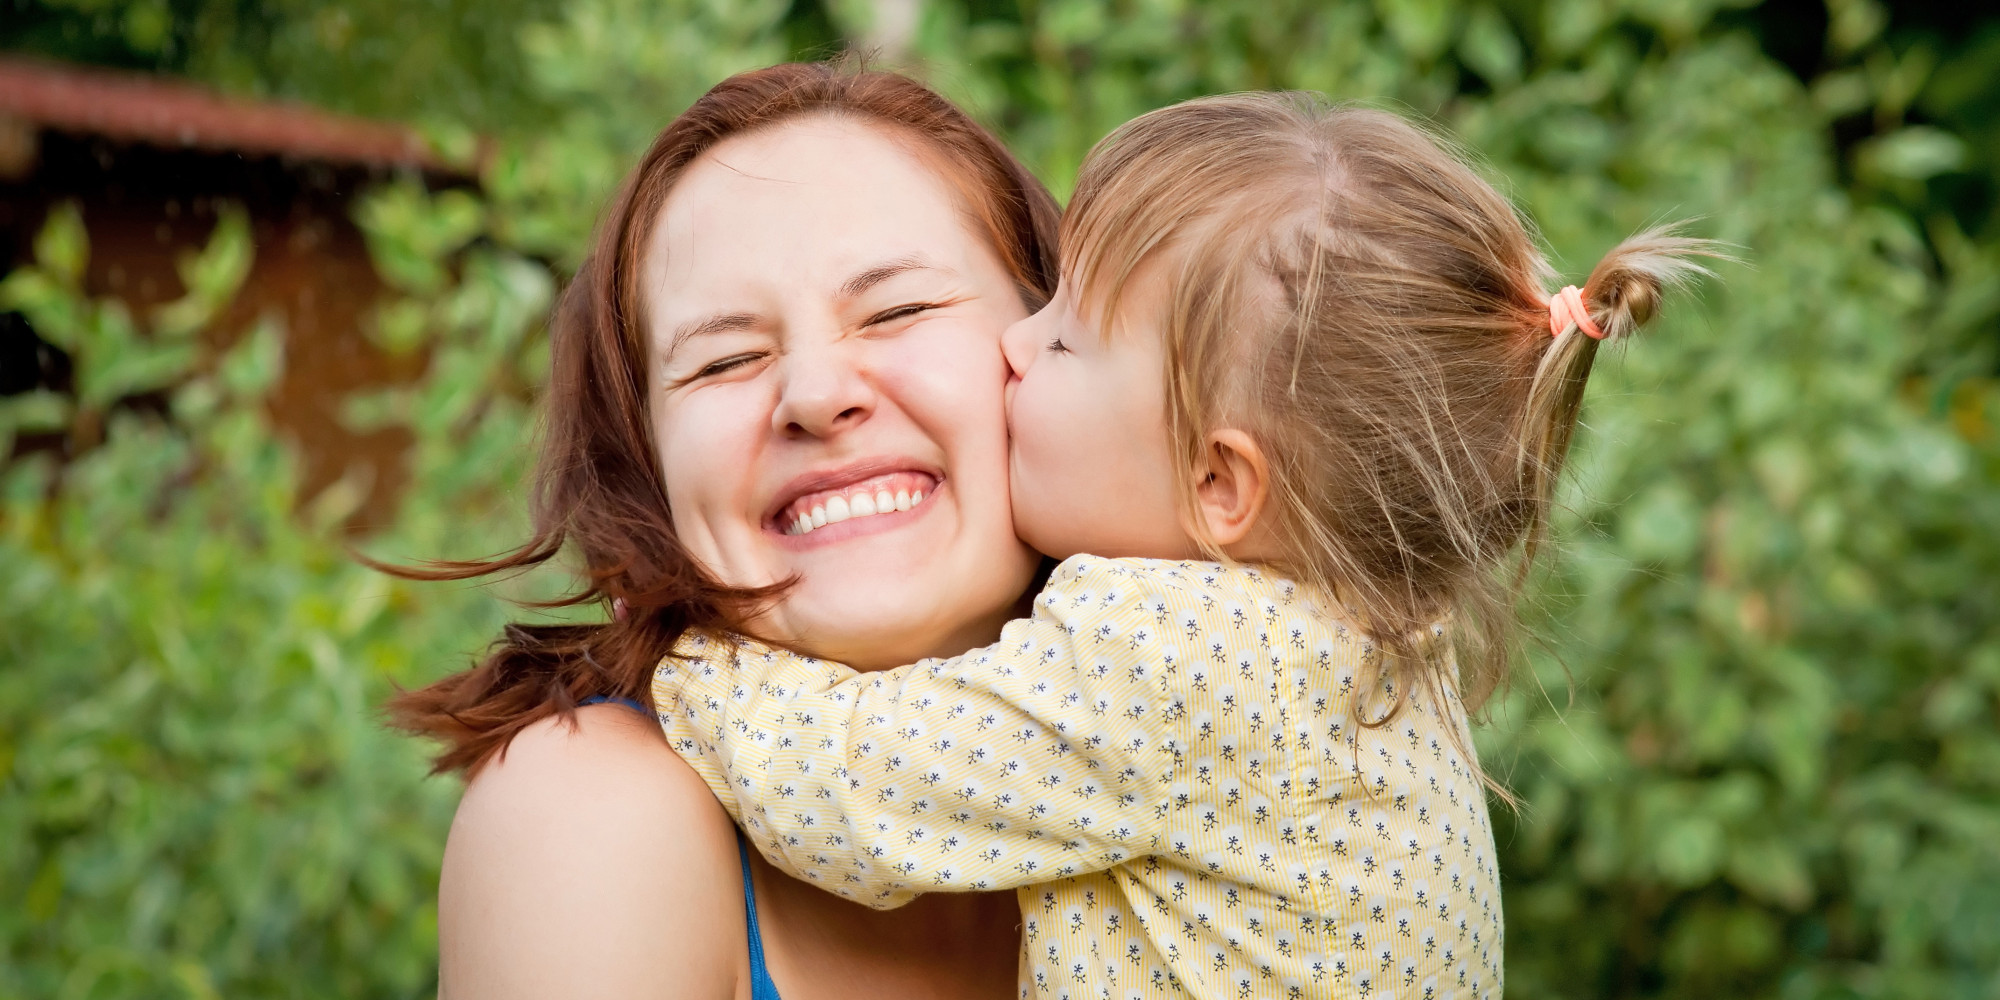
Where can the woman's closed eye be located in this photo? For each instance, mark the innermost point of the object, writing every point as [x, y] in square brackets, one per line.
[720, 366]
[728, 363]
[904, 311]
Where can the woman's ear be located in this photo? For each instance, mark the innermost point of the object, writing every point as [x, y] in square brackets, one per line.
[1233, 482]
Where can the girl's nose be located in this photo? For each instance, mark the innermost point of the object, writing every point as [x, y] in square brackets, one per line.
[822, 394]
[1020, 343]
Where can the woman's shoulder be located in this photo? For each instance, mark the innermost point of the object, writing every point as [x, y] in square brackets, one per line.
[608, 742]
[607, 764]
[584, 861]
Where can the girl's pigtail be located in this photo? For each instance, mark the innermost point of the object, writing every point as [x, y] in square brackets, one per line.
[1625, 288]
[1624, 292]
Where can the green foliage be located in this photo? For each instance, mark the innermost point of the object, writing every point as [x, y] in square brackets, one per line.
[123, 362]
[1759, 750]
[445, 62]
[199, 798]
[1776, 568]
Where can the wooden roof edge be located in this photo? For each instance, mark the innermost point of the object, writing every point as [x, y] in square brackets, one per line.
[171, 113]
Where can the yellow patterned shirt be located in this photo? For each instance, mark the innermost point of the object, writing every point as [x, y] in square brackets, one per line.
[1164, 760]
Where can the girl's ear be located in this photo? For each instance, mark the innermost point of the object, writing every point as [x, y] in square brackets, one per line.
[1233, 482]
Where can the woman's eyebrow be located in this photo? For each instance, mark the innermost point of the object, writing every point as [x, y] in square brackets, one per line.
[720, 323]
[864, 280]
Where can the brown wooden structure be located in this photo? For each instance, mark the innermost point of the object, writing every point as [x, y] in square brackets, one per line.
[149, 161]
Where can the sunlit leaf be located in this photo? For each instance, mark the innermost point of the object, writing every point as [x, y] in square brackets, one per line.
[62, 247]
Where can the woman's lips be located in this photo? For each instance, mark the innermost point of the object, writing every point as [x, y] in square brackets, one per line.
[875, 496]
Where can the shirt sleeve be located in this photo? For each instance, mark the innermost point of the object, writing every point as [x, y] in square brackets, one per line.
[1050, 753]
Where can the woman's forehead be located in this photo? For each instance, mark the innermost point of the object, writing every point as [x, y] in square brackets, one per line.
[802, 207]
[825, 182]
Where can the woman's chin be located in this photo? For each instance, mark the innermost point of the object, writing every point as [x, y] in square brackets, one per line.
[874, 613]
[889, 589]
[870, 626]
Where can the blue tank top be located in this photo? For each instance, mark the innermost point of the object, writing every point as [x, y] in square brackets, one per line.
[761, 986]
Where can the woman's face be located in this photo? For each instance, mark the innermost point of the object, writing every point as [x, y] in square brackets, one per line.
[827, 388]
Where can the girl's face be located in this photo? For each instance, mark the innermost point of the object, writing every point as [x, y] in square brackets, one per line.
[1093, 469]
[826, 385]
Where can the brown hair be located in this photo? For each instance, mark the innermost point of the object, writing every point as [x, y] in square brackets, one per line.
[599, 488]
[1348, 290]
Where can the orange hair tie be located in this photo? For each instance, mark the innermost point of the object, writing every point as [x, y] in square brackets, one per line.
[1566, 308]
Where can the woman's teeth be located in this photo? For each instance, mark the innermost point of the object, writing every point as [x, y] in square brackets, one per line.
[835, 509]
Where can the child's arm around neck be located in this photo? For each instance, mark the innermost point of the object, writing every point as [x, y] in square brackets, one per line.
[1047, 754]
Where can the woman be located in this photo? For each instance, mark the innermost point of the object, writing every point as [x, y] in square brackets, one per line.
[797, 295]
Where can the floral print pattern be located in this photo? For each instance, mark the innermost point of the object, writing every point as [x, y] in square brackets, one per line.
[1164, 761]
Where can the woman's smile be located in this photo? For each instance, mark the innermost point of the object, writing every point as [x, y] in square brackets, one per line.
[862, 498]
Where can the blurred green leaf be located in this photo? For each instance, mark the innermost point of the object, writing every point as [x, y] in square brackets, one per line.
[62, 247]
[1421, 27]
[412, 231]
[1914, 153]
[35, 412]
[211, 276]
[252, 367]
[1489, 47]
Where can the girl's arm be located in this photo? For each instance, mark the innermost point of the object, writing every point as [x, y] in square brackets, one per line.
[590, 863]
[1050, 753]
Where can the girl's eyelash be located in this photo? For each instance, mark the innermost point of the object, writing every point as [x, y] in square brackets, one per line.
[1056, 346]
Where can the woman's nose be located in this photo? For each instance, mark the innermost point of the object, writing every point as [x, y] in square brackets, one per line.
[823, 394]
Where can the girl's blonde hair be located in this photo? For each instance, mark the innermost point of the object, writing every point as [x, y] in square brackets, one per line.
[1349, 291]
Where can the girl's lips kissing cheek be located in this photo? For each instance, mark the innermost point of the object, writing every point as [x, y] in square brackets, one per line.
[874, 500]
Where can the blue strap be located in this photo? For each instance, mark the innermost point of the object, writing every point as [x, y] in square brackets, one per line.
[761, 986]
[600, 699]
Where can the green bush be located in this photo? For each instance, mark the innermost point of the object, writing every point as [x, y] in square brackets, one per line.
[199, 799]
[1759, 748]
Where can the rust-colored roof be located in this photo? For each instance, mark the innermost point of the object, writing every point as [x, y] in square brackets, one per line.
[163, 112]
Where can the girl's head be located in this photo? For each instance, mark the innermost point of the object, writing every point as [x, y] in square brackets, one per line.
[1360, 384]
[797, 295]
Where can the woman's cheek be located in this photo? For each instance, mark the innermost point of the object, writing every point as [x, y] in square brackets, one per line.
[708, 457]
[950, 359]
[950, 378]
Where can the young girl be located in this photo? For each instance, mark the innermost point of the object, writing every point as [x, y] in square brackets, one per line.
[1302, 398]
